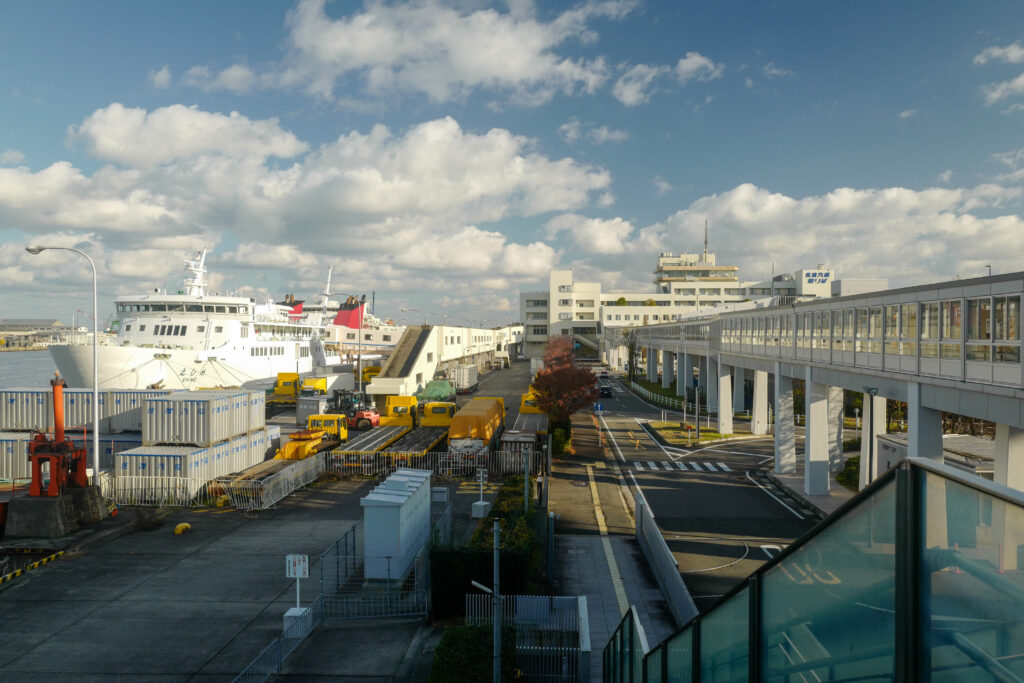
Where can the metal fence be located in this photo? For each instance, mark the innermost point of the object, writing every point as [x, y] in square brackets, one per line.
[157, 491]
[260, 494]
[663, 564]
[552, 633]
[440, 463]
[268, 662]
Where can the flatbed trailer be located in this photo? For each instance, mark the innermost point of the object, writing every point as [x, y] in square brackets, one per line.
[375, 439]
[421, 440]
[532, 422]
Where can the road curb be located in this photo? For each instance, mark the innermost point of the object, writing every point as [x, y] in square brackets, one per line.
[795, 495]
[653, 433]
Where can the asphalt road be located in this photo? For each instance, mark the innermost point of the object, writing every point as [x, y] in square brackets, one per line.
[721, 519]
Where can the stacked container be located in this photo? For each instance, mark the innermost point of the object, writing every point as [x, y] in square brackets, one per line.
[201, 418]
[32, 409]
[14, 462]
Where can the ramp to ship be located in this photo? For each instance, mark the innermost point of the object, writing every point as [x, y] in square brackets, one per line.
[418, 440]
[406, 353]
[373, 440]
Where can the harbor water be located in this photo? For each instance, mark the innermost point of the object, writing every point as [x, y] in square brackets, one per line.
[26, 369]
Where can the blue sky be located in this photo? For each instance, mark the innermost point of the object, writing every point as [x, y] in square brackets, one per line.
[448, 154]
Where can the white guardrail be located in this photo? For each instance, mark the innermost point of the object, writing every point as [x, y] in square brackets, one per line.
[663, 564]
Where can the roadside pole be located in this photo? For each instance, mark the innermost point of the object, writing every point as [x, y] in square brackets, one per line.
[496, 611]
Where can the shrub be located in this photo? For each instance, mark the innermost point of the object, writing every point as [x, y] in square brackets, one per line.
[561, 439]
[850, 476]
[466, 655]
[851, 444]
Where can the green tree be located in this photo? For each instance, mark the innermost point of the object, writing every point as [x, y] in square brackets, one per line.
[621, 301]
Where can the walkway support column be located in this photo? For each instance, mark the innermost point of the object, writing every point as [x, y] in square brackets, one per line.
[652, 364]
[667, 368]
[1009, 457]
[759, 411]
[924, 427]
[872, 426]
[724, 392]
[835, 429]
[712, 384]
[682, 363]
[785, 430]
[816, 476]
[739, 389]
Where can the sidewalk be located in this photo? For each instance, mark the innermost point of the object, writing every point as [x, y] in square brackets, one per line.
[794, 483]
[600, 558]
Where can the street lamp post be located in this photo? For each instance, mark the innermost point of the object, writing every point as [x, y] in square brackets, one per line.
[410, 308]
[37, 249]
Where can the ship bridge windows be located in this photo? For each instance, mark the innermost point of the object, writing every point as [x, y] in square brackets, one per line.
[157, 307]
[194, 308]
[232, 309]
[219, 309]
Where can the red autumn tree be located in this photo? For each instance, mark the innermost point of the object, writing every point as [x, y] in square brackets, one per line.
[561, 387]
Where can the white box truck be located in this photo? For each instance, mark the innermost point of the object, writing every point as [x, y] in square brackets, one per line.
[466, 379]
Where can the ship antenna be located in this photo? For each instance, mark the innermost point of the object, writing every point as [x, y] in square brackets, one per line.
[705, 240]
[195, 285]
[327, 294]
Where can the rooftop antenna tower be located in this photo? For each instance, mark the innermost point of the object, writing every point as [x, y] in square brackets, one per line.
[705, 240]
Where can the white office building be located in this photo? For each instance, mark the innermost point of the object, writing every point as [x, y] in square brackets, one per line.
[684, 285]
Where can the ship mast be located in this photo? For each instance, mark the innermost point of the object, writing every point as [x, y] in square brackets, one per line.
[195, 285]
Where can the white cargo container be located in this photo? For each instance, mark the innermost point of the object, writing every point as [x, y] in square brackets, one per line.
[200, 418]
[466, 378]
[14, 463]
[124, 408]
[396, 523]
[273, 440]
[111, 445]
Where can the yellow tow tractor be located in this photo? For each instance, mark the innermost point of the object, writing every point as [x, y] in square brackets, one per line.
[323, 433]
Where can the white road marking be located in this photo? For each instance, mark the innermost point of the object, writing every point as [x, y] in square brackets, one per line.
[681, 465]
[612, 437]
[652, 465]
[666, 465]
[768, 548]
[609, 554]
[746, 551]
[710, 466]
[641, 494]
[696, 466]
[777, 499]
[725, 467]
[639, 467]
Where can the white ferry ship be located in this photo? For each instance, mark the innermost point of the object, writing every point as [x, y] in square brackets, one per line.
[192, 340]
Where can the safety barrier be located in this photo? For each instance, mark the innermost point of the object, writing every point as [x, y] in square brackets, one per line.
[268, 662]
[156, 491]
[440, 463]
[260, 494]
[663, 564]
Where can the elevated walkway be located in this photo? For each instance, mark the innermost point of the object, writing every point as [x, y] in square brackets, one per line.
[920, 576]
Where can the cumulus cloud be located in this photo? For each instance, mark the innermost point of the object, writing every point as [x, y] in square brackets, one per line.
[696, 66]
[945, 176]
[661, 185]
[573, 131]
[592, 235]
[996, 92]
[134, 136]
[1010, 54]
[11, 156]
[773, 70]
[633, 87]
[907, 113]
[160, 78]
[441, 50]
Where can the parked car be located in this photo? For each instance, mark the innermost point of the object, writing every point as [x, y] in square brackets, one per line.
[606, 391]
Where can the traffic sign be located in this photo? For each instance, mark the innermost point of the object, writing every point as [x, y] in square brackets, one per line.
[599, 407]
[296, 566]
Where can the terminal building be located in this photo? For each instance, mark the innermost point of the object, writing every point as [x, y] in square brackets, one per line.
[684, 285]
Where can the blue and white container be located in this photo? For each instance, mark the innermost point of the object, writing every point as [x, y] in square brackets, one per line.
[14, 463]
[200, 418]
[124, 408]
[32, 409]
[111, 445]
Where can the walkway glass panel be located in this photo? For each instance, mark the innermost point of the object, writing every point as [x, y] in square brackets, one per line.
[920, 577]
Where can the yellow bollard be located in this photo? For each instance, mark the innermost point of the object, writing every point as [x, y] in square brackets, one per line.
[182, 528]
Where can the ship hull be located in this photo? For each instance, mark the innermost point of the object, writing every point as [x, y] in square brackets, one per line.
[132, 367]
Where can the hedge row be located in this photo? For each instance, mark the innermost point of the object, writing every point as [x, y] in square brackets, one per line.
[466, 655]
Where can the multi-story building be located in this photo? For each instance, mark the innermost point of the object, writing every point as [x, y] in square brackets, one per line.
[684, 285]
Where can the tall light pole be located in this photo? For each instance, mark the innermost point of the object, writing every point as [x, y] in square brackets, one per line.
[37, 249]
[989, 269]
[410, 308]
[444, 317]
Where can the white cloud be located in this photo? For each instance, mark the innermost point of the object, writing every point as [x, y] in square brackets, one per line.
[592, 235]
[160, 78]
[772, 70]
[134, 136]
[661, 185]
[748, 82]
[603, 134]
[441, 50]
[1000, 91]
[11, 156]
[945, 176]
[573, 131]
[696, 66]
[907, 113]
[1011, 54]
[632, 87]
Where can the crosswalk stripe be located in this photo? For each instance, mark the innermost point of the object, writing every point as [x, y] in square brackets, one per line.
[710, 466]
[681, 466]
[725, 467]
[652, 465]
[639, 466]
[666, 465]
[696, 466]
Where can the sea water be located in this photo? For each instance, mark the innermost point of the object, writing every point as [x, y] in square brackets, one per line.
[26, 369]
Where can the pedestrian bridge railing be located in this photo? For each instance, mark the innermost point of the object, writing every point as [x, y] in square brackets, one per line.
[918, 577]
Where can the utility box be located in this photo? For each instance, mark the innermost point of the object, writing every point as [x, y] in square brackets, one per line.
[309, 405]
[481, 509]
[396, 523]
